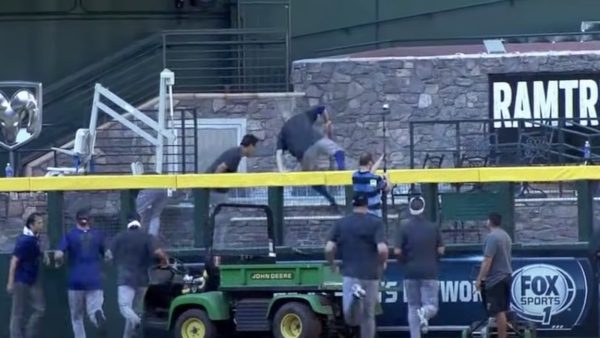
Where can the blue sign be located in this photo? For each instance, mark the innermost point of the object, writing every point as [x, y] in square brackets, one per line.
[551, 292]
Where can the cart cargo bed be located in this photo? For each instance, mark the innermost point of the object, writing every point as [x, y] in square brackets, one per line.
[288, 276]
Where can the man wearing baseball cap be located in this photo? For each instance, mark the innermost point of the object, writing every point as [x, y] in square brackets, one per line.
[360, 240]
[86, 251]
[418, 248]
[133, 252]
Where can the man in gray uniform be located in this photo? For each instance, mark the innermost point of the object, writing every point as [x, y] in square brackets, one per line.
[419, 247]
[133, 251]
[495, 275]
[360, 238]
[150, 204]
[306, 144]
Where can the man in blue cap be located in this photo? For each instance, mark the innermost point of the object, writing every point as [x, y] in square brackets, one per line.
[360, 239]
[306, 144]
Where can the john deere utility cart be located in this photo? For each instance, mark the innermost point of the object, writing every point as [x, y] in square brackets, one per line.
[249, 291]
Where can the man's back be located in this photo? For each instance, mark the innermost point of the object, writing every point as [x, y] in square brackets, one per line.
[498, 246]
[231, 157]
[298, 134]
[371, 185]
[357, 236]
[85, 249]
[419, 241]
[133, 250]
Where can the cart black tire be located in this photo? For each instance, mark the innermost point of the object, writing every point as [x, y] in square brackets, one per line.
[296, 320]
[195, 319]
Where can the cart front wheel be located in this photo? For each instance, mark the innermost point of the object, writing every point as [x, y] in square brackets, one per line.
[296, 320]
[195, 323]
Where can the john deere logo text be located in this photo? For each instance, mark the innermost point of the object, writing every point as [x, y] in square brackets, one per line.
[541, 291]
[270, 276]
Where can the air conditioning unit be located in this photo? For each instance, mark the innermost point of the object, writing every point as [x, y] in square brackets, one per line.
[82, 142]
[137, 168]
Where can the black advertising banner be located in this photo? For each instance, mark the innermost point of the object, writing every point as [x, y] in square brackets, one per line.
[542, 98]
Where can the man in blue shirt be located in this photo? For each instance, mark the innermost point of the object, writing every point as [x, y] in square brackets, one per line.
[23, 282]
[86, 251]
[366, 182]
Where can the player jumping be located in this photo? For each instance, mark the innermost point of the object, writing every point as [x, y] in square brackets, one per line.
[306, 144]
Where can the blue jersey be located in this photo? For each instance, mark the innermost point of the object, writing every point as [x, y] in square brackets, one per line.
[27, 250]
[365, 182]
[85, 250]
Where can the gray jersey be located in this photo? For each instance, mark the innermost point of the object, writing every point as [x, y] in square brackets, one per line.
[498, 245]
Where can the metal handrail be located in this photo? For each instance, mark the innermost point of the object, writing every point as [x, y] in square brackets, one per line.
[133, 73]
[496, 148]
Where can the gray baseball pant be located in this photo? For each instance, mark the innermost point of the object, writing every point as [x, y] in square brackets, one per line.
[24, 295]
[131, 305]
[81, 302]
[421, 294]
[361, 312]
[150, 204]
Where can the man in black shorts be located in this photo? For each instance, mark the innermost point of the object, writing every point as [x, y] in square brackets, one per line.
[495, 275]
[306, 144]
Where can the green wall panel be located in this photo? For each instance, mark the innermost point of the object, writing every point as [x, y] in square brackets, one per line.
[326, 24]
[47, 47]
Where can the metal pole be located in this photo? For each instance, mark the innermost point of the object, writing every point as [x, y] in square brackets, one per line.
[11, 159]
[384, 211]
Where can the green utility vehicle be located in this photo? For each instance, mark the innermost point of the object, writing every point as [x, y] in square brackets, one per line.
[253, 293]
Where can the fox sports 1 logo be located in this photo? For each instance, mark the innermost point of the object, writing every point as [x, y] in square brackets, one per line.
[541, 291]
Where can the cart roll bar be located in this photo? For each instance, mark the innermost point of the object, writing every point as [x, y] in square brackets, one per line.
[265, 208]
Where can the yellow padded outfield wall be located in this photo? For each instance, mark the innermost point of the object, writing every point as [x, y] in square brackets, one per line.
[267, 179]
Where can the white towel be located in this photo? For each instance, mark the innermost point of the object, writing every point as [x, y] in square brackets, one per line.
[28, 232]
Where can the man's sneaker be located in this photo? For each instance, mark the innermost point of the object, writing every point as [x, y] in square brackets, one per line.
[423, 321]
[358, 291]
[100, 322]
[137, 330]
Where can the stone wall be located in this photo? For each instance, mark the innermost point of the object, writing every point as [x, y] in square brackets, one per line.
[418, 88]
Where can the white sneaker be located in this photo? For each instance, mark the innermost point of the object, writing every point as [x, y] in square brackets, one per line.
[358, 291]
[424, 323]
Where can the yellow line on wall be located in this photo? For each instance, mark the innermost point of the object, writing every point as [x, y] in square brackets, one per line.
[266, 179]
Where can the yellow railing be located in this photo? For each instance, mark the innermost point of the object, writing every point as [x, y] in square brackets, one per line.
[266, 179]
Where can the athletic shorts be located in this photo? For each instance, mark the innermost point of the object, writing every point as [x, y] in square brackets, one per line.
[497, 297]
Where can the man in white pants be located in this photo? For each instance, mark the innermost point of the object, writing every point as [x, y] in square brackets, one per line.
[133, 251]
[85, 249]
[418, 248]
